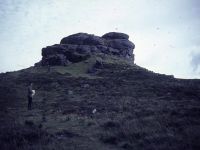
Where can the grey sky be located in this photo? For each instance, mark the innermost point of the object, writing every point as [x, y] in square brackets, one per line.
[166, 32]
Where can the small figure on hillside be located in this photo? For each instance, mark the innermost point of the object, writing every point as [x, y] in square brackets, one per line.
[31, 93]
[94, 111]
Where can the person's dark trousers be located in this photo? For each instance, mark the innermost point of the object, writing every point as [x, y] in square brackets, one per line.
[29, 102]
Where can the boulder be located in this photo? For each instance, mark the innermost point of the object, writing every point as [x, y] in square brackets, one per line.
[83, 39]
[75, 56]
[121, 47]
[79, 47]
[94, 40]
[115, 35]
[52, 50]
[55, 60]
[120, 44]
[76, 39]
[86, 49]
[114, 51]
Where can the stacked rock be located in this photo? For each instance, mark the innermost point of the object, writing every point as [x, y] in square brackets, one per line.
[81, 46]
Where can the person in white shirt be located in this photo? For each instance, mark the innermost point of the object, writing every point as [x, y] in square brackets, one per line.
[31, 93]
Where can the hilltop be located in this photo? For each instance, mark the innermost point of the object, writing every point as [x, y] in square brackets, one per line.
[135, 108]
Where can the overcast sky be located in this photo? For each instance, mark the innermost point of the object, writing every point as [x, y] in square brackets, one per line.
[166, 32]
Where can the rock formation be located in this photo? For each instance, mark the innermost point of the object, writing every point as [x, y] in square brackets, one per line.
[80, 46]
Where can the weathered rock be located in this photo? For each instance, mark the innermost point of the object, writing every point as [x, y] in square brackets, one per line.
[124, 47]
[115, 35]
[76, 39]
[52, 50]
[81, 46]
[55, 60]
[64, 53]
[120, 44]
[83, 39]
[86, 49]
[94, 40]
[76, 57]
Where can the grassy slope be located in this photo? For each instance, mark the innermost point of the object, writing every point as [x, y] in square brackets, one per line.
[136, 109]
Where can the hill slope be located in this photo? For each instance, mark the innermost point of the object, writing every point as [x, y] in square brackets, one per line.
[136, 109]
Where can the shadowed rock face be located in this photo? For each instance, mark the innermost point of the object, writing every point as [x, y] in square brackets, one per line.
[81, 46]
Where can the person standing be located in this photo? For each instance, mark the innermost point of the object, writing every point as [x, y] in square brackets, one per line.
[31, 93]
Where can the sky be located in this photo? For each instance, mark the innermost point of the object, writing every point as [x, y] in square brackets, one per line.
[165, 32]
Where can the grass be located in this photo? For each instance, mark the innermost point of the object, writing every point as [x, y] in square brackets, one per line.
[17, 136]
[79, 69]
[136, 109]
